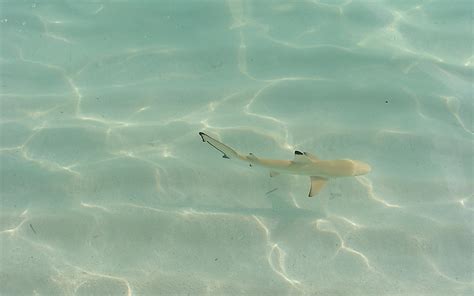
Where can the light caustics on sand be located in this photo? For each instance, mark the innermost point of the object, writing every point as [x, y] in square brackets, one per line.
[70, 278]
[157, 154]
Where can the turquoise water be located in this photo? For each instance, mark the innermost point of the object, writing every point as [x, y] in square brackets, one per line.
[107, 188]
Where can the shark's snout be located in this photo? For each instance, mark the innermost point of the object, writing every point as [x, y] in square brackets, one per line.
[361, 168]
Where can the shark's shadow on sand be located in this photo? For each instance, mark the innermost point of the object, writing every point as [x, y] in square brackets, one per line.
[283, 214]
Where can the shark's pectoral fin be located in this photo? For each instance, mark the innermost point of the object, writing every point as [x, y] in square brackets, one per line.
[273, 173]
[317, 183]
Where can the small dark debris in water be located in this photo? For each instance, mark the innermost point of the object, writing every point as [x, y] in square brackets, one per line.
[215, 259]
[97, 98]
[31, 226]
[386, 102]
[273, 190]
[216, 64]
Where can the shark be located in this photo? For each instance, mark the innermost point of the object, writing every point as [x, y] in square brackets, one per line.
[303, 163]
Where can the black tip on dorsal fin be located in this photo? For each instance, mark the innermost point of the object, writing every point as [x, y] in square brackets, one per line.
[298, 152]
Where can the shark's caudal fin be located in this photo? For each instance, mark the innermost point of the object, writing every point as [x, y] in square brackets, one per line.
[228, 152]
[317, 183]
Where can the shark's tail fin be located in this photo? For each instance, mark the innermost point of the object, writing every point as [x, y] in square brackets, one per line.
[228, 152]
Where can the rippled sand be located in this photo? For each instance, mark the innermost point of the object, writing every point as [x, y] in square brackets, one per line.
[107, 189]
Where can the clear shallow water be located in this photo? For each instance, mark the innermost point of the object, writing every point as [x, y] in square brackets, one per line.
[107, 189]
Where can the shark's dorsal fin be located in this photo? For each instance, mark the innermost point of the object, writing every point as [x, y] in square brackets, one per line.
[310, 155]
[302, 157]
[317, 183]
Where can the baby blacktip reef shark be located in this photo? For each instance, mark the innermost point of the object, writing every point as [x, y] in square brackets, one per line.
[303, 163]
